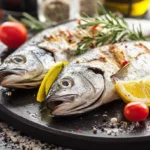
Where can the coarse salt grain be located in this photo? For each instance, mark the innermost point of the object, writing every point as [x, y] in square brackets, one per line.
[114, 120]
[9, 93]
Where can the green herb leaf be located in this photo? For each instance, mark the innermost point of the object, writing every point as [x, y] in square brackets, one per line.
[31, 22]
[117, 31]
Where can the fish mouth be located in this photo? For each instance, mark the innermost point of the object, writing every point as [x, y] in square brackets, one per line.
[18, 78]
[5, 73]
[9, 78]
[55, 101]
[60, 105]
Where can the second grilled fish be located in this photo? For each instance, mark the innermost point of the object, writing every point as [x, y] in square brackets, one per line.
[86, 83]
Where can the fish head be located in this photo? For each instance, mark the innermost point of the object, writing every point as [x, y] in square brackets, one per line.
[76, 89]
[21, 69]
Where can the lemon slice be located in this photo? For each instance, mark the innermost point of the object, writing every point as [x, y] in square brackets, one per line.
[131, 91]
[49, 79]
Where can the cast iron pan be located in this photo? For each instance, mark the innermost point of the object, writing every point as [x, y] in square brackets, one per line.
[25, 114]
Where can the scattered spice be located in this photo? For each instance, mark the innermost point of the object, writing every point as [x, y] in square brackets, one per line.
[8, 93]
[124, 124]
[124, 63]
[69, 34]
[114, 120]
[109, 132]
[92, 45]
[105, 118]
[93, 29]
[94, 130]
[78, 21]
[11, 139]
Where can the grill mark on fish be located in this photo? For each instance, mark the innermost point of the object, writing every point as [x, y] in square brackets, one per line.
[68, 38]
[140, 45]
[119, 56]
[142, 53]
[100, 59]
[109, 57]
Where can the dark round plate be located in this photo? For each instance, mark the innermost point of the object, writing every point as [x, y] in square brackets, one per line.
[23, 112]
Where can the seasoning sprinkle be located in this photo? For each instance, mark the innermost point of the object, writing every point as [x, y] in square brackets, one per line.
[94, 130]
[8, 93]
[114, 120]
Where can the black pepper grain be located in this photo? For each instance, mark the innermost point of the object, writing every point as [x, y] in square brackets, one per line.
[105, 117]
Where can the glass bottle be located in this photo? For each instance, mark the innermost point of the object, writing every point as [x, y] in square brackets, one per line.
[88, 7]
[62, 10]
[55, 10]
[132, 8]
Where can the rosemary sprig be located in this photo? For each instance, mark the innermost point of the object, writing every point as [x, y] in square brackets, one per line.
[31, 22]
[113, 30]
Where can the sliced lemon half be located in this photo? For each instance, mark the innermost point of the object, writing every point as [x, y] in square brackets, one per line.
[49, 79]
[131, 91]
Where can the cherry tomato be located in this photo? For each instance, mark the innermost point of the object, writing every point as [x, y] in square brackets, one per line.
[13, 34]
[136, 111]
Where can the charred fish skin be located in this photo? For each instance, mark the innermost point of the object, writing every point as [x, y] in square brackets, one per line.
[107, 62]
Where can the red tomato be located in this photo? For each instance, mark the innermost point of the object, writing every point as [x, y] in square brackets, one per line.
[13, 34]
[136, 111]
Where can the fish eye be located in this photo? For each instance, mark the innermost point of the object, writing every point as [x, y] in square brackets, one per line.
[18, 59]
[66, 83]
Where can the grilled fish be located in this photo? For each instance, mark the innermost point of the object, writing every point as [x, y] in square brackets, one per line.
[26, 67]
[86, 83]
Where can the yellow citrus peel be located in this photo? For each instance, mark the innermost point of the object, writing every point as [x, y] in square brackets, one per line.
[131, 91]
[49, 79]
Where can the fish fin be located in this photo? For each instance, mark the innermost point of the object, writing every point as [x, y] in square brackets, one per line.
[136, 69]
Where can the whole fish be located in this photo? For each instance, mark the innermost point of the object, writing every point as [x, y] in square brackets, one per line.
[26, 67]
[87, 82]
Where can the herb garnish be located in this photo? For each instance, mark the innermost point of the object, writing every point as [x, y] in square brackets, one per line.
[31, 22]
[113, 30]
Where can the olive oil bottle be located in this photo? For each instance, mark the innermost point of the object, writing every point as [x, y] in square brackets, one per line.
[132, 8]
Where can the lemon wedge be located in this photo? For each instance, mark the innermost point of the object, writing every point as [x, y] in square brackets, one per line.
[131, 91]
[49, 79]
